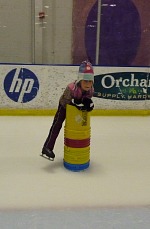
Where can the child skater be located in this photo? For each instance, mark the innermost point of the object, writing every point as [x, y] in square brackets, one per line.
[79, 94]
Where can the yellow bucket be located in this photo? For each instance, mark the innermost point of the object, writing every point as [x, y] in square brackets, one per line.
[76, 155]
[76, 119]
[77, 134]
[77, 127]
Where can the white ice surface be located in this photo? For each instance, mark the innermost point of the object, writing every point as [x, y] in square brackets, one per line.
[119, 173]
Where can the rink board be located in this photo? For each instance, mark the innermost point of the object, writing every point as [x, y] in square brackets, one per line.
[32, 112]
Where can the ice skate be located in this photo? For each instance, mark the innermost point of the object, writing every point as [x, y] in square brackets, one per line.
[48, 154]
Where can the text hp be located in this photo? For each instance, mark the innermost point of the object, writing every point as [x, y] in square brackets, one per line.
[21, 86]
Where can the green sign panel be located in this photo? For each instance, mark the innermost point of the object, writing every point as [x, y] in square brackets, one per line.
[122, 86]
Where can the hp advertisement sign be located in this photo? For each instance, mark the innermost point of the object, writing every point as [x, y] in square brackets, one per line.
[21, 85]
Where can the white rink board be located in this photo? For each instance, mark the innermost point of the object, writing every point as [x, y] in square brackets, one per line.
[52, 82]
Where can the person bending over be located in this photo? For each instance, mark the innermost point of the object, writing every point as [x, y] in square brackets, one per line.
[79, 94]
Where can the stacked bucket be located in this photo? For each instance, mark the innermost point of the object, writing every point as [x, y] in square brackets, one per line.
[77, 139]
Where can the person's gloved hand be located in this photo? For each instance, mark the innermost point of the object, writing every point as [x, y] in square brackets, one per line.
[88, 104]
[77, 103]
[85, 104]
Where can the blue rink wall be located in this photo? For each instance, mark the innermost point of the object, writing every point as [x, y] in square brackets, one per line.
[35, 89]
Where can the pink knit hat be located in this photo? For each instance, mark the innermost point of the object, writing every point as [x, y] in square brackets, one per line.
[86, 71]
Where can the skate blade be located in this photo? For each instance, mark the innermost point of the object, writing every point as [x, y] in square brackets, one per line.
[48, 158]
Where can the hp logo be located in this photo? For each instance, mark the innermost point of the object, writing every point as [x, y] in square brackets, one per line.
[21, 85]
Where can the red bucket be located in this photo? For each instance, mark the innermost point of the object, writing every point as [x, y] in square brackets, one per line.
[77, 143]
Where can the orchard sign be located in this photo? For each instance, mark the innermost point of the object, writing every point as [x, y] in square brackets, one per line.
[122, 86]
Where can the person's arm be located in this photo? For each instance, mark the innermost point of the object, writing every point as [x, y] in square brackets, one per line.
[66, 97]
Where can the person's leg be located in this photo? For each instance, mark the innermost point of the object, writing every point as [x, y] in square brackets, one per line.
[54, 131]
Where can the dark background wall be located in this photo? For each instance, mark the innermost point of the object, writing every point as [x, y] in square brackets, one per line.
[124, 32]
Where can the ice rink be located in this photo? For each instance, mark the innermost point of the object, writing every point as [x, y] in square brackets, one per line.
[114, 193]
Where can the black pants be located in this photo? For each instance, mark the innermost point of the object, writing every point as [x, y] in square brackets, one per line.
[56, 127]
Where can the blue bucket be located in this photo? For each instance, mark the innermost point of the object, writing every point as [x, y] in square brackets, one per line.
[76, 167]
